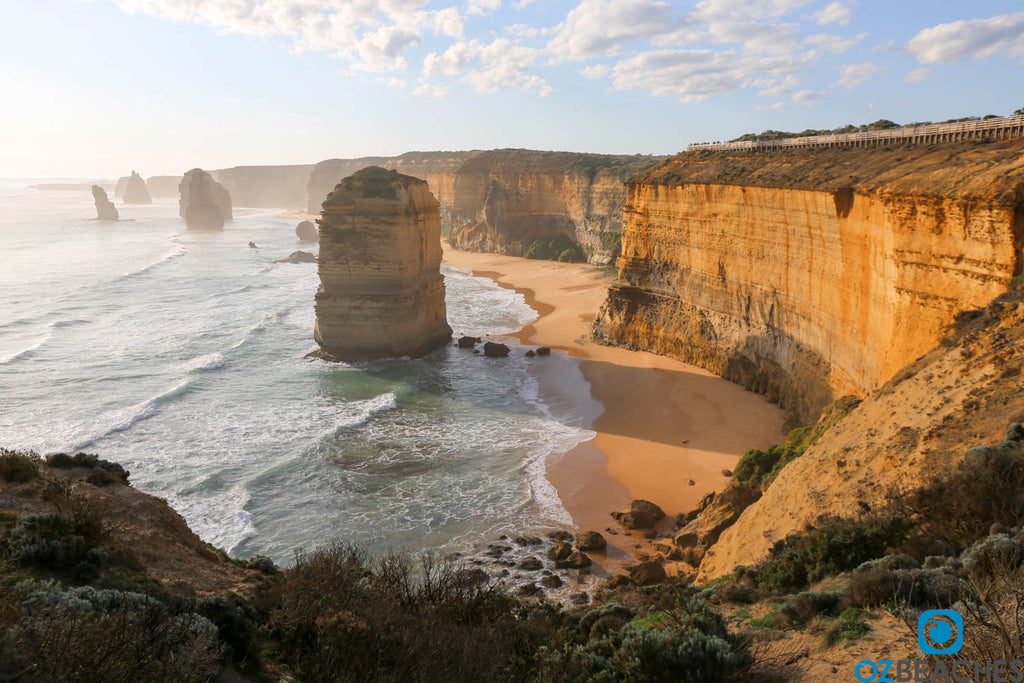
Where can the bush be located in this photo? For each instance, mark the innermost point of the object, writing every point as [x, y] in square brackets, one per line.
[18, 467]
[837, 545]
[104, 471]
[53, 542]
[1017, 282]
[85, 634]
[848, 627]
[689, 642]
[803, 607]
[992, 557]
[557, 247]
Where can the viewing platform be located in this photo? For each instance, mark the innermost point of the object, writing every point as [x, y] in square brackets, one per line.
[1000, 128]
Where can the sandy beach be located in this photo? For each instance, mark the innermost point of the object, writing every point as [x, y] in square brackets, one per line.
[665, 429]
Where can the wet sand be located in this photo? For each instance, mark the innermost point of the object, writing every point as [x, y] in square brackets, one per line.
[661, 423]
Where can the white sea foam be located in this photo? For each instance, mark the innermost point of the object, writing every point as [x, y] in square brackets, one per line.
[136, 414]
[171, 253]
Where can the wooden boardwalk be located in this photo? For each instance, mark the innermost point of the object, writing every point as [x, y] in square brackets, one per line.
[996, 128]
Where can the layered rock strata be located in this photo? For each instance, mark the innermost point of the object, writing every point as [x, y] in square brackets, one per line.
[135, 191]
[812, 274]
[105, 209]
[505, 200]
[204, 203]
[381, 292]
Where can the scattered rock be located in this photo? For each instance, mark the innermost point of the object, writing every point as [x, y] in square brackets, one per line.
[634, 520]
[560, 536]
[530, 354]
[468, 342]
[531, 564]
[296, 257]
[306, 232]
[495, 350]
[543, 351]
[646, 506]
[560, 551]
[590, 540]
[577, 560]
[580, 599]
[496, 550]
[252, 245]
[691, 482]
[685, 539]
[474, 577]
[105, 209]
[726, 473]
[692, 555]
[529, 590]
[618, 581]
[552, 581]
[647, 574]
[527, 540]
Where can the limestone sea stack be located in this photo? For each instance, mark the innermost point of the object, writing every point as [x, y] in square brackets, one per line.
[381, 291]
[105, 209]
[307, 232]
[135, 191]
[204, 203]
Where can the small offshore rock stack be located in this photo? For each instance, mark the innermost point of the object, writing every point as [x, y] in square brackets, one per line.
[307, 232]
[381, 291]
[204, 203]
[135, 191]
[105, 209]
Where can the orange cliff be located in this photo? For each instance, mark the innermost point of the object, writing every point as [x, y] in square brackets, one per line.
[811, 274]
[503, 200]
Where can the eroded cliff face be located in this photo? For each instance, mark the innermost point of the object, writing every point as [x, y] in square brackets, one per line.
[279, 187]
[814, 274]
[503, 200]
[381, 292]
[919, 424]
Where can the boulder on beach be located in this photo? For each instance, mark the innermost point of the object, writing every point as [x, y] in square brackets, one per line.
[647, 574]
[495, 350]
[306, 231]
[466, 342]
[648, 507]
[634, 520]
[576, 560]
[590, 540]
[560, 551]
[135, 191]
[105, 209]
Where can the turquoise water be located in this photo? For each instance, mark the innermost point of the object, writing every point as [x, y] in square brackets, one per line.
[182, 356]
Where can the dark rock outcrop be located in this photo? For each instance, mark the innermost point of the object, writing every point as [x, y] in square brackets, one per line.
[298, 257]
[495, 350]
[381, 292]
[466, 342]
[306, 232]
[135, 191]
[203, 203]
[105, 209]
[590, 540]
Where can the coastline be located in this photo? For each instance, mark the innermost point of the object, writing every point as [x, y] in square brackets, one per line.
[660, 422]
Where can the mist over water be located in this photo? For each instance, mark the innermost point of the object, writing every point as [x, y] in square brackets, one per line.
[181, 355]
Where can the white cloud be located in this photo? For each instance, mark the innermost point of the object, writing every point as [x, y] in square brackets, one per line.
[695, 75]
[596, 71]
[852, 75]
[918, 75]
[431, 90]
[503, 64]
[831, 44]
[776, 88]
[833, 13]
[482, 6]
[969, 39]
[747, 10]
[604, 27]
[453, 61]
[807, 97]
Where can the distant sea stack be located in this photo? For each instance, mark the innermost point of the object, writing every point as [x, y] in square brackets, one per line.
[204, 204]
[105, 209]
[135, 191]
[381, 292]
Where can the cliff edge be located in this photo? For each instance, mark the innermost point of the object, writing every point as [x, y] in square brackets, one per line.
[807, 275]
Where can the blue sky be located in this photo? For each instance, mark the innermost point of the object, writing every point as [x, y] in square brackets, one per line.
[99, 87]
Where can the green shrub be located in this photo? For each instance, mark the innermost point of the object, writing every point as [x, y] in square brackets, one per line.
[556, 248]
[105, 471]
[55, 543]
[837, 545]
[18, 467]
[1017, 282]
[847, 628]
[692, 644]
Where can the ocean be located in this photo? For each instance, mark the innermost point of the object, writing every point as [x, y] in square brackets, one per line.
[182, 356]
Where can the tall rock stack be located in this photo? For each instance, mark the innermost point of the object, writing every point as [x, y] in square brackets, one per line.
[105, 209]
[135, 191]
[204, 204]
[381, 292]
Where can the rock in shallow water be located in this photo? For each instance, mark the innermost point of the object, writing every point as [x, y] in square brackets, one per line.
[105, 209]
[306, 232]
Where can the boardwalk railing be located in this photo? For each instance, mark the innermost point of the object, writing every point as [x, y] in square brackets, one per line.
[997, 128]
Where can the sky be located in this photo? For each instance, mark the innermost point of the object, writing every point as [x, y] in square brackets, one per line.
[96, 88]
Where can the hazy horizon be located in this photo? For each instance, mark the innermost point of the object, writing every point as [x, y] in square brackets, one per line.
[161, 86]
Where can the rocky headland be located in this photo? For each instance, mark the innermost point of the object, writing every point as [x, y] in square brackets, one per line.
[381, 292]
[504, 201]
[203, 202]
[135, 191]
[163, 185]
[280, 187]
[807, 275]
[105, 209]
